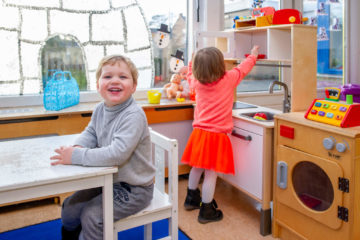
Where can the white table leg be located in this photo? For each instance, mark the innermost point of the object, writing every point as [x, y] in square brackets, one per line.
[108, 211]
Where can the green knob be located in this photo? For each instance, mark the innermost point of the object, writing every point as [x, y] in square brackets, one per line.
[349, 99]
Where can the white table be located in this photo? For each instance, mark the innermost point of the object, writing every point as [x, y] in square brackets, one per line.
[26, 173]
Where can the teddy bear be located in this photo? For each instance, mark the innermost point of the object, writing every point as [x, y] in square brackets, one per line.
[173, 88]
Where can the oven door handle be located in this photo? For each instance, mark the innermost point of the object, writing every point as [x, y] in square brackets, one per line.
[246, 138]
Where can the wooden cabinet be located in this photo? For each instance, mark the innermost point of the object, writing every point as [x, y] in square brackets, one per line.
[292, 48]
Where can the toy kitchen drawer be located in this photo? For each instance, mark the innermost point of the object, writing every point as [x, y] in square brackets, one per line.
[340, 113]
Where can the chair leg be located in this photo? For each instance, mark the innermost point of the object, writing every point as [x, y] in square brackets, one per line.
[148, 231]
[173, 228]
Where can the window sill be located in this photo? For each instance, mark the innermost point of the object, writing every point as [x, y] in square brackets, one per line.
[81, 108]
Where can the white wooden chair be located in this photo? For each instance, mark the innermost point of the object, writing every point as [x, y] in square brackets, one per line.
[163, 205]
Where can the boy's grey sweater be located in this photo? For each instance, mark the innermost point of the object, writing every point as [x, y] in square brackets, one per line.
[118, 136]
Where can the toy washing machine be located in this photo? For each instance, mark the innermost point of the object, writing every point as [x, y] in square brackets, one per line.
[316, 180]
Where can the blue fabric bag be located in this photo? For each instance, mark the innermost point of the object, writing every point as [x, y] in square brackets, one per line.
[61, 91]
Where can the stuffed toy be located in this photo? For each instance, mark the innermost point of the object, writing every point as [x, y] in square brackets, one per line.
[184, 83]
[174, 88]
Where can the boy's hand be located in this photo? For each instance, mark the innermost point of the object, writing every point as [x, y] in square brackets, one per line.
[64, 155]
[255, 51]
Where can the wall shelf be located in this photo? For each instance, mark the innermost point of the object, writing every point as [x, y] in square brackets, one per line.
[292, 46]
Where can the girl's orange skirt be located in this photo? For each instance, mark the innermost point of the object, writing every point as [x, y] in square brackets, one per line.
[209, 150]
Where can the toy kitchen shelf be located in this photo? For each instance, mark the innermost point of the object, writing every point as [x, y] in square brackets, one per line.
[292, 45]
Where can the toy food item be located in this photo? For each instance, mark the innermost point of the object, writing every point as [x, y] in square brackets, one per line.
[260, 116]
[180, 99]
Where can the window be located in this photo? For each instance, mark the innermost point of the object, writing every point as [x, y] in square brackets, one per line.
[327, 15]
[169, 17]
[62, 53]
[38, 37]
[261, 76]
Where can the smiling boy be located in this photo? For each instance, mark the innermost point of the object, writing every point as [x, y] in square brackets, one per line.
[117, 135]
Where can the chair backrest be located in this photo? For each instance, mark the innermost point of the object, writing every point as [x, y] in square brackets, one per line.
[165, 150]
[165, 203]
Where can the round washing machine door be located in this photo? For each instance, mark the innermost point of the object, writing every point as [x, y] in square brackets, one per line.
[312, 185]
[309, 185]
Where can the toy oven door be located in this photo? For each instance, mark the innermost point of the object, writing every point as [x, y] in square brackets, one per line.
[309, 185]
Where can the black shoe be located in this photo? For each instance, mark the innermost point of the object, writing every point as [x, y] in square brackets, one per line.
[192, 200]
[70, 235]
[209, 213]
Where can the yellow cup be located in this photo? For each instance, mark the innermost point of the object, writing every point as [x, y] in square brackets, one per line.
[154, 96]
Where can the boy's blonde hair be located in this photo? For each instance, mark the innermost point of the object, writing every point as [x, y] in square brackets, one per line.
[208, 65]
[113, 59]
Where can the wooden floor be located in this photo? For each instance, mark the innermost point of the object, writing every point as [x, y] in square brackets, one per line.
[241, 218]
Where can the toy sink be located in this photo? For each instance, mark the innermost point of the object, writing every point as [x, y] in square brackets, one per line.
[262, 116]
[241, 105]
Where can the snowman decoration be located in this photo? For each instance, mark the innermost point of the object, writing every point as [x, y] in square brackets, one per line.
[177, 61]
[162, 36]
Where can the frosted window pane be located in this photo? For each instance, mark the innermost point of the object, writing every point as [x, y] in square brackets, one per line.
[9, 89]
[137, 33]
[86, 5]
[115, 49]
[144, 80]
[34, 3]
[11, 15]
[93, 56]
[104, 28]
[31, 86]
[9, 60]
[122, 3]
[92, 76]
[141, 58]
[63, 22]
[34, 25]
[30, 55]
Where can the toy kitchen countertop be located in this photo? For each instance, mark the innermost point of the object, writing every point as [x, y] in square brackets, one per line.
[258, 115]
[298, 117]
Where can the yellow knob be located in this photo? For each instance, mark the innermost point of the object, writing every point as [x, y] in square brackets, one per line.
[292, 19]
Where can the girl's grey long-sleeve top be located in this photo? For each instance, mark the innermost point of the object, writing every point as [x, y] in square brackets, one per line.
[118, 136]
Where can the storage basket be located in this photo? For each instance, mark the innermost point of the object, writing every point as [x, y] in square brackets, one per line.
[61, 91]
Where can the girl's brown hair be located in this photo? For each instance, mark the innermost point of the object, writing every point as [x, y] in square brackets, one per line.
[208, 65]
[113, 59]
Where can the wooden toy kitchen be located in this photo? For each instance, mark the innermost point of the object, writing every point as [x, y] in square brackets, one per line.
[316, 169]
[316, 145]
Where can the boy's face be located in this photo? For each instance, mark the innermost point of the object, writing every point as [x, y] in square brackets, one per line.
[115, 84]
